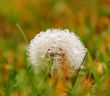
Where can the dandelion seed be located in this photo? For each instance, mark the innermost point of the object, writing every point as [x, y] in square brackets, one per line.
[59, 51]
[56, 42]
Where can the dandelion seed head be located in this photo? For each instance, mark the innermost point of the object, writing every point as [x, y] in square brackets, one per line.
[56, 43]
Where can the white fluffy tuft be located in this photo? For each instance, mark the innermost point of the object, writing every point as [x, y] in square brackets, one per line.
[54, 39]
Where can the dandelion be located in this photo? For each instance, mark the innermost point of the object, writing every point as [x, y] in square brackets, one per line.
[60, 51]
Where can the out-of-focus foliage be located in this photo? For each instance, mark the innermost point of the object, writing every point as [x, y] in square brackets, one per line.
[90, 19]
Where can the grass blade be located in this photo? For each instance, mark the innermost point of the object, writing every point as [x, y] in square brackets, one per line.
[91, 64]
[22, 32]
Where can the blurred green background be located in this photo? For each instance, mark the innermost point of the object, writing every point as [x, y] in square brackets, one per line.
[89, 19]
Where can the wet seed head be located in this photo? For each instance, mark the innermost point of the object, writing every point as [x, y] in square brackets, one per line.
[61, 49]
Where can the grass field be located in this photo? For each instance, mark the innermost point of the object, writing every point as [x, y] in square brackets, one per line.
[89, 19]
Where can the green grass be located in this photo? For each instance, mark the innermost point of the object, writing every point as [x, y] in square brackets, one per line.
[92, 24]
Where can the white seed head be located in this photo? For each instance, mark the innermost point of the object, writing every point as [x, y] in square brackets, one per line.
[56, 42]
